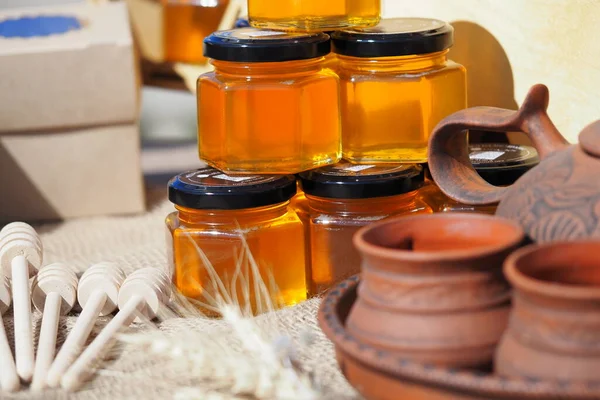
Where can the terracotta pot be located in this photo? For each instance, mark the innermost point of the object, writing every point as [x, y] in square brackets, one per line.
[432, 288]
[559, 200]
[554, 329]
[380, 375]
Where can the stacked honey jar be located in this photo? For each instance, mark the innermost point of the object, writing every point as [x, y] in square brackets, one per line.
[310, 136]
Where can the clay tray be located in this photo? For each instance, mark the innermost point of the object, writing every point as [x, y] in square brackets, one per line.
[380, 375]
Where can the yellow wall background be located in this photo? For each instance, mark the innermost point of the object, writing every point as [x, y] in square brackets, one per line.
[509, 45]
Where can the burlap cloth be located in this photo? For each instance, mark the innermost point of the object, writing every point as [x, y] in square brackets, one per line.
[136, 242]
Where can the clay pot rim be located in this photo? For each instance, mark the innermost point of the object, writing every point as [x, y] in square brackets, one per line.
[451, 255]
[522, 281]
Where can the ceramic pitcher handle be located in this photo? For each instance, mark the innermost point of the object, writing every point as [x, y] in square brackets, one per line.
[449, 161]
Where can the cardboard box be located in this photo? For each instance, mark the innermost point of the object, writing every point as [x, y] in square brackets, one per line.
[81, 172]
[79, 78]
[69, 136]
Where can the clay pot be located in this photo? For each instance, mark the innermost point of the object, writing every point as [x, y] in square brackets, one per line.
[432, 288]
[379, 375]
[554, 329]
[559, 200]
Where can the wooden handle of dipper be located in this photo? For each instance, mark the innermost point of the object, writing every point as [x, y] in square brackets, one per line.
[9, 380]
[54, 294]
[145, 291]
[97, 294]
[20, 257]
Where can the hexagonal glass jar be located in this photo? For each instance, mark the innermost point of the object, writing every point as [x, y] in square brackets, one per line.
[271, 105]
[342, 199]
[236, 237]
[396, 85]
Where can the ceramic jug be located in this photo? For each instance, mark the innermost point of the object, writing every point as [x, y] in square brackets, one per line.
[557, 200]
[432, 289]
[554, 328]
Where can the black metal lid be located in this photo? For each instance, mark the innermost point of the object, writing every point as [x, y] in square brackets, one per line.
[352, 181]
[257, 45]
[395, 37]
[502, 164]
[210, 189]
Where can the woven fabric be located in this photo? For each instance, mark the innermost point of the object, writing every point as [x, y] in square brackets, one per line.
[139, 241]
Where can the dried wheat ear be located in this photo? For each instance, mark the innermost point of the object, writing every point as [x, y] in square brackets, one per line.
[261, 366]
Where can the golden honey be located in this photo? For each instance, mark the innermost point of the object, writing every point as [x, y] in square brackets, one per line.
[499, 164]
[345, 197]
[237, 238]
[186, 23]
[331, 62]
[313, 15]
[396, 85]
[270, 106]
[299, 203]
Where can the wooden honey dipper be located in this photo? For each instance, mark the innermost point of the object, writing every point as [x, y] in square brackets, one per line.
[9, 380]
[144, 292]
[54, 294]
[20, 258]
[97, 294]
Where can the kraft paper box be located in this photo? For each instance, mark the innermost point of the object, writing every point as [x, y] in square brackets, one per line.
[81, 172]
[69, 136]
[66, 66]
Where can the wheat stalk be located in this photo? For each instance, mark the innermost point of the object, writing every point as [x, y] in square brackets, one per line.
[261, 366]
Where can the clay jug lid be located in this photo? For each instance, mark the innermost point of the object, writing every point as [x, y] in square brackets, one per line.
[589, 139]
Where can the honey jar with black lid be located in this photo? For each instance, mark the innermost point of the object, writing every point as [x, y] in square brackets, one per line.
[345, 197]
[499, 164]
[239, 230]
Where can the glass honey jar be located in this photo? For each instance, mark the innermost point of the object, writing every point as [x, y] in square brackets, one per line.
[299, 203]
[498, 163]
[186, 23]
[239, 231]
[271, 106]
[331, 62]
[396, 85]
[345, 197]
[331, 58]
[313, 15]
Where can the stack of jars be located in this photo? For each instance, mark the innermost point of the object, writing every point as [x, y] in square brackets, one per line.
[309, 136]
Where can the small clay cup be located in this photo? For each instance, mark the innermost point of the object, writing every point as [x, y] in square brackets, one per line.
[432, 288]
[554, 328]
